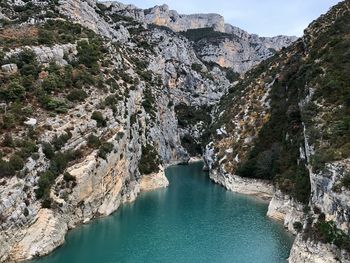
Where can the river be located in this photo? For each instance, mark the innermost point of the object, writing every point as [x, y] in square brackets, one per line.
[193, 220]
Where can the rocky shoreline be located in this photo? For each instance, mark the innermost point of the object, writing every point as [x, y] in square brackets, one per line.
[258, 188]
[49, 229]
[287, 211]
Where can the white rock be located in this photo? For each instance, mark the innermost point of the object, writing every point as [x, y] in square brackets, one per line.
[31, 122]
[9, 68]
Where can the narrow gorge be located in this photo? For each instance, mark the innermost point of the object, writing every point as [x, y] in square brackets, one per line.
[97, 99]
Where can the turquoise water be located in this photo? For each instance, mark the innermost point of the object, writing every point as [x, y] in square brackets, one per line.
[193, 220]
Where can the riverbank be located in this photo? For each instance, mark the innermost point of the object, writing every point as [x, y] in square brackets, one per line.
[180, 224]
[254, 187]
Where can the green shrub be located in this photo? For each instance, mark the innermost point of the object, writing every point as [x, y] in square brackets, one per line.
[16, 162]
[148, 102]
[149, 162]
[83, 78]
[345, 181]
[58, 164]
[120, 135]
[59, 141]
[8, 141]
[8, 120]
[93, 141]
[105, 149]
[201, 33]
[77, 95]
[46, 37]
[45, 182]
[6, 170]
[52, 104]
[46, 202]
[190, 115]
[98, 117]
[48, 150]
[327, 232]
[53, 83]
[126, 77]
[88, 53]
[197, 67]
[28, 147]
[68, 177]
[26, 62]
[231, 75]
[191, 145]
[13, 91]
[298, 226]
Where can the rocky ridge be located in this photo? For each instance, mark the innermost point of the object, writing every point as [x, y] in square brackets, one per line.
[230, 47]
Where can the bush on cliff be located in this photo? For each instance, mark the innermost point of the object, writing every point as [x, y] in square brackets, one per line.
[149, 162]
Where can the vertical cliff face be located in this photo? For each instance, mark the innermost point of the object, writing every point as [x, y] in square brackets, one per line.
[163, 16]
[214, 41]
[285, 122]
[90, 105]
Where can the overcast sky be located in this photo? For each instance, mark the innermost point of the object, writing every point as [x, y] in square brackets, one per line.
[263, 17]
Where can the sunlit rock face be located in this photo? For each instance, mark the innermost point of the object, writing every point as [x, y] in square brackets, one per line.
[234, 48]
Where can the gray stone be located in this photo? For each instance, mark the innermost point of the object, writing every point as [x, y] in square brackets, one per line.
[9, 68]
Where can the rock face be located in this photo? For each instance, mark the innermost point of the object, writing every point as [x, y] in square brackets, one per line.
[55, 53]
[283, 208]
[9, 68]
[162, 16]
[85, 14]
[234, 48]
[46, 233]
[240, 50]
[154, 181]
[146, 83]
[275, 116]
[305, 252]
[258, 188]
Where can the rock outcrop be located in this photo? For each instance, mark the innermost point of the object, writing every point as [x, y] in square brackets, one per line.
[233, 48]
[308, 251]
[162, 16]
[153, 181]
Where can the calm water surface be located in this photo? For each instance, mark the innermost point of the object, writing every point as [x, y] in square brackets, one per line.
[193, 220]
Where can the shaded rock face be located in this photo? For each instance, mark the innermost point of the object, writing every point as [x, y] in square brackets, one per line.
[236, 49]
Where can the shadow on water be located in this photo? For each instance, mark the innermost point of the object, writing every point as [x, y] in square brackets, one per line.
[193, 220]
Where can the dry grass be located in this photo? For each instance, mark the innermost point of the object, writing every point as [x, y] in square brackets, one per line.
[19, 32]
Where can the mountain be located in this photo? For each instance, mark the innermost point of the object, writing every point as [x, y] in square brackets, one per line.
[93, 106]
[286, 122]
[214, 40]
[96, 99]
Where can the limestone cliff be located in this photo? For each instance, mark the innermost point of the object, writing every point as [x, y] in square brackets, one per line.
[285, 122]
[96, 99]
[230, 47]
[88, 116]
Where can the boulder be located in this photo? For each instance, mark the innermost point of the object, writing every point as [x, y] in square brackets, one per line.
[9, 68]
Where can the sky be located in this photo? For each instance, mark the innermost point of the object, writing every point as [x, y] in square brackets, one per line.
[263, 17]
